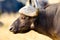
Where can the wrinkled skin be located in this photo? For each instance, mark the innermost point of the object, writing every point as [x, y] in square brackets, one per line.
[47, 22]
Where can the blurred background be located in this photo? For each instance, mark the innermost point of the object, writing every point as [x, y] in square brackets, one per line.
[11, 5]
[9, 13]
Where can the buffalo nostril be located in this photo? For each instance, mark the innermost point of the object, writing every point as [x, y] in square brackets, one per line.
[10, 29]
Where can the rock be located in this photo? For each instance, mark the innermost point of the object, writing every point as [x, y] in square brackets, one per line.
[1, 24]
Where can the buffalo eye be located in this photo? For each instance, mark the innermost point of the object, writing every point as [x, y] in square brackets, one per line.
[23, 17]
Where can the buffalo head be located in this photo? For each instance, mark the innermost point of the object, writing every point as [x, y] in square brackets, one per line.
[25, 22]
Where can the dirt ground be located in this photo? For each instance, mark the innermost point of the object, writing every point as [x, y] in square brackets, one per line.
[5, 34]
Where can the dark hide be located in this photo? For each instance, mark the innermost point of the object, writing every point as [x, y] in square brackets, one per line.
[47, 22]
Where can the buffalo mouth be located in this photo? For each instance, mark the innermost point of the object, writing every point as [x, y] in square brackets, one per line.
[19, 30]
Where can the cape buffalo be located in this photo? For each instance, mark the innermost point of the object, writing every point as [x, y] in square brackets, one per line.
[45, 21]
